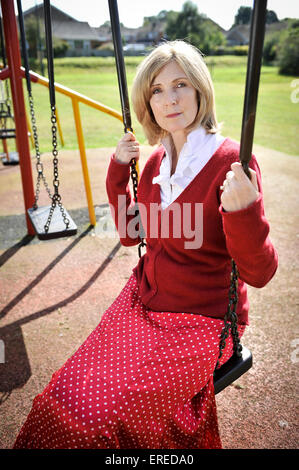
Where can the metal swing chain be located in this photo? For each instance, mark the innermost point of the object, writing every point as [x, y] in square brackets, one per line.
[8, 101]
[39, 164]
[230, 319]
[56, 198]
[3, 116]
[5, 107]
[134, 177]
[125, 105]
[257, 32]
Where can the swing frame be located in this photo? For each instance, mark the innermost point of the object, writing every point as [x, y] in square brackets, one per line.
[241, 360]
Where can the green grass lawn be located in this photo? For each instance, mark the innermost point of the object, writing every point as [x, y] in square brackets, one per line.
[277, 119]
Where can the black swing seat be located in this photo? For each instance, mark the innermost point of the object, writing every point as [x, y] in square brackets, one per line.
[13, 158]
[232, 370]
[57, 226]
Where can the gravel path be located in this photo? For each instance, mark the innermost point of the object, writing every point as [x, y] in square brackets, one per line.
[53, 294]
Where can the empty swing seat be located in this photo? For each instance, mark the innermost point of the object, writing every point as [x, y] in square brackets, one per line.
[232, 370]
[57, 226]
[11, 159]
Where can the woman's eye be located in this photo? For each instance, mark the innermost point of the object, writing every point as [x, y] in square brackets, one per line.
[156, 91]
[181, 84]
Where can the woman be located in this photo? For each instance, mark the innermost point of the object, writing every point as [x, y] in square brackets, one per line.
[144, 377]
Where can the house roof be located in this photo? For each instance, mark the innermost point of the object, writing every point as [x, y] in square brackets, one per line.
[55, 12]
[216, 25]
[277, 26]
[74, 30]
[241, 31]
[65, 26]
[102, 35]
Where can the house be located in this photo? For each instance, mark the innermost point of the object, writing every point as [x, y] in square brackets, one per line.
[135, 39]
[84, 40]
[81, 38]
[151, 32]
[239, 35]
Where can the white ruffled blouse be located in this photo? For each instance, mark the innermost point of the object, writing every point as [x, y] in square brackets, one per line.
[194, 155]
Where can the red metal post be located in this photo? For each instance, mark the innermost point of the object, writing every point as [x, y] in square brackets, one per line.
[14, 65]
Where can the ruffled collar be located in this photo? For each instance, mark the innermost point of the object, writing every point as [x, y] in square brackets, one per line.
[191, 160]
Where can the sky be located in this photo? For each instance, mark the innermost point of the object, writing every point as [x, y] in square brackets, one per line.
[132, 12]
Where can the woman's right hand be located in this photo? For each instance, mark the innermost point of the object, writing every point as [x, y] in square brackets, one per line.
[127, 148]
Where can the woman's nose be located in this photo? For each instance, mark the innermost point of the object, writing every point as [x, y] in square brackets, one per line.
[171, 98]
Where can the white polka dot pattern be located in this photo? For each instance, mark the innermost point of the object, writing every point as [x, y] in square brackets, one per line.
[142, 379]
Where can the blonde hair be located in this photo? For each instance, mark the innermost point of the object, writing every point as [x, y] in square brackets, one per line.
[191, 62]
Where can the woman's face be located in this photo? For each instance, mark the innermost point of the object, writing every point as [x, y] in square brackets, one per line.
[173, 99]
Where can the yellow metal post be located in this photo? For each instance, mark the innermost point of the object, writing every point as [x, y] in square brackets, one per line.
[92, 216]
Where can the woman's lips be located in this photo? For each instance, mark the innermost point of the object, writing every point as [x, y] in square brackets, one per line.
[173, 115]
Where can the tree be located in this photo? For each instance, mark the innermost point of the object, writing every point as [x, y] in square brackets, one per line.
[270, 48]
[162, 16]
[36, 43]
[195, 28]
[34, 33]
[60, 47]
[186, 23]
[244, 16]
[288, 57]
[271, 17]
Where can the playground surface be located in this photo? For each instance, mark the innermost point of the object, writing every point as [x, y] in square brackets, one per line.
[54, 292]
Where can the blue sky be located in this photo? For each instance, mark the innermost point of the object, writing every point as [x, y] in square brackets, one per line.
[131, 12]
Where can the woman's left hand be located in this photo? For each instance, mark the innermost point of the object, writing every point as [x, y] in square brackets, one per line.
[238, 190]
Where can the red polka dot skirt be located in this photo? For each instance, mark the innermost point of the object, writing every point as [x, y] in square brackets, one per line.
[141, 380]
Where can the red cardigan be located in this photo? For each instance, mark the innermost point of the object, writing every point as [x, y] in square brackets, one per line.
[175, 279]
